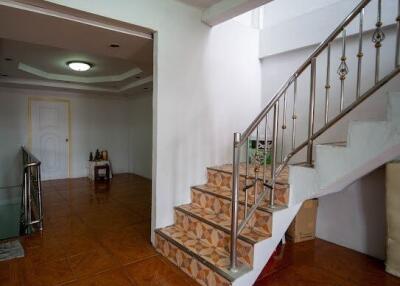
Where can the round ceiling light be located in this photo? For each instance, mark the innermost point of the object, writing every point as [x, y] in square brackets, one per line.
[79, 66]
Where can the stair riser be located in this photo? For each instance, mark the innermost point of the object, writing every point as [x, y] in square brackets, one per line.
[188, 264]
[223, 180]
[214, 237]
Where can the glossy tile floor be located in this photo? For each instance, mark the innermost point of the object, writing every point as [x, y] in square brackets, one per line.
[320, 263]
[99, 235]
[94, 235]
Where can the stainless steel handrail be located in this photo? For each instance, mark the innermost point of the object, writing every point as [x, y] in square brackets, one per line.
[273, 109]
[307, 62]
[31, 204]
[33, 159]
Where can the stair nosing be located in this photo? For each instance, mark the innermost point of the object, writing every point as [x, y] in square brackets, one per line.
[214, 268]
[217, 226]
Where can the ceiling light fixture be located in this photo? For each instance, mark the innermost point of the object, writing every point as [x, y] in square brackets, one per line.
[79, 66]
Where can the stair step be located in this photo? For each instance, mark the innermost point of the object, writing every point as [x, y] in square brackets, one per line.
[206, 264]
[203, 272]
[258, 228]
[281, 196]
[198, 228]
[227, 170]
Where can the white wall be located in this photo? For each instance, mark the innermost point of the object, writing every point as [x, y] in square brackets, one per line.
[356, 217]
[281, 58]
[140, 135]
[289, 26]
[281, 11]
[207, 86]
[96, 122]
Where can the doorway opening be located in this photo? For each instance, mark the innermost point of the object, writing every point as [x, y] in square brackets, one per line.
[76, 90]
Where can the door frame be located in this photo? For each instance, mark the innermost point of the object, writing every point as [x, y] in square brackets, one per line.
[74, 15]
[69, 117]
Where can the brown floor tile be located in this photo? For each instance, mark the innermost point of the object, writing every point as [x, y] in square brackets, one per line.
[291, 277]
[48, 252]
[109, 278]
[128, 245]
[157, 271]
[319, 262]
[49, 273]
[92, 262]
[9, 273]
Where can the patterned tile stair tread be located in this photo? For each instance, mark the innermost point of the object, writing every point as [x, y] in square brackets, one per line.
[189, 264]
[217, 258]
[227, 168]
[223, 222]
[280, 196]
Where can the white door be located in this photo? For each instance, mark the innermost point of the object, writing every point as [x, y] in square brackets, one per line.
[50, 142]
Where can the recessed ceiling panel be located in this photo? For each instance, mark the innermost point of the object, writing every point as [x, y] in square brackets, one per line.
[35, 50]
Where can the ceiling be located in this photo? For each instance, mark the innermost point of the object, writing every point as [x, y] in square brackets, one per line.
[35, 54]
[201, 3]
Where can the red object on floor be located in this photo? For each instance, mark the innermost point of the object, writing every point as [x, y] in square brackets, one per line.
[275, 264]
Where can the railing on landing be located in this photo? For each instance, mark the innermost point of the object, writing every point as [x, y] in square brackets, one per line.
[270, 117]
[31, 204]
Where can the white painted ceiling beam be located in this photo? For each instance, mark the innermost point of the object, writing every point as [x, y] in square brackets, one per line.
[228, 9]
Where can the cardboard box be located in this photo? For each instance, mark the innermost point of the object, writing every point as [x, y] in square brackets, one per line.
[303, 226]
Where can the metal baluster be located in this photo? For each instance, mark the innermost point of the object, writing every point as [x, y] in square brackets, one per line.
[29, 201]
[397, 59]
[245, 202]
[283, 123]
[265, 147]
[311, 112]
[294, 116]
[343, 70]
[360, 54]
[257, 137]
[39, 178]
[234, 208]
[247, 161]
[25, 200]
[377, 38]
[274, 153]
[327, 84]
[246, 176]
[256, 156]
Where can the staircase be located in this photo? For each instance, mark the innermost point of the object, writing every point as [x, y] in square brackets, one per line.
[234, 222]
[199, 241]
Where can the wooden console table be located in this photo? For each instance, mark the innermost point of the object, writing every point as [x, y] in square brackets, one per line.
[99, 170]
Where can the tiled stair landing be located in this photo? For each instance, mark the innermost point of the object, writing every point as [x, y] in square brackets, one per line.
[199, 241]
